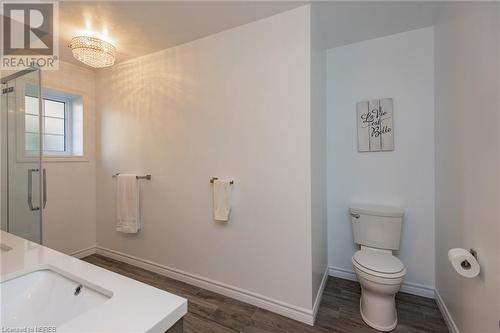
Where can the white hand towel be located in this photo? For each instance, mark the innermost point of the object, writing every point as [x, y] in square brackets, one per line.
[127, 204]
[222, 199]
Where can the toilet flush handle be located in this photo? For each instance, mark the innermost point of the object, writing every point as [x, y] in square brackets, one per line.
[356, 216]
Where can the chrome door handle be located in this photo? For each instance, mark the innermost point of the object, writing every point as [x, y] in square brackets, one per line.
[30, 189]
[44, 188]
[356, 216]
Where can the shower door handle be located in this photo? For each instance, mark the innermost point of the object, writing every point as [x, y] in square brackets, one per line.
[44, 188]
[30, 189]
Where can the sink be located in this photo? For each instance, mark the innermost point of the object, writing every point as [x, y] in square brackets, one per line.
[4, 248]
[45, 298]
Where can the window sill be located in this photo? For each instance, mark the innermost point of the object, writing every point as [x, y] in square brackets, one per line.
[64, 158]
[54, 159]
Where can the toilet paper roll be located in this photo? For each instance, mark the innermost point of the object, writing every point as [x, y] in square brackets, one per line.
[464, 262]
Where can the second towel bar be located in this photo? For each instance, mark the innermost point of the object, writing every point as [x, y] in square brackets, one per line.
[215, 178]
[147, 177]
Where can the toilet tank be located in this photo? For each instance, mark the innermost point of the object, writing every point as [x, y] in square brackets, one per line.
[377, 226]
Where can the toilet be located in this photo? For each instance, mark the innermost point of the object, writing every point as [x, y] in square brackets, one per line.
[377, 230]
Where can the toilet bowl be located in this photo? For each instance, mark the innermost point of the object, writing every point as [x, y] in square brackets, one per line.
[378, 231]
[380, 275]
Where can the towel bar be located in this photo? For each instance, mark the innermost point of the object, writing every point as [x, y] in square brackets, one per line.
[215, 178]
[147, 177]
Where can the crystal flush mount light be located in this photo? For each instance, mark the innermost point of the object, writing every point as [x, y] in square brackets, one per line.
[93, 51]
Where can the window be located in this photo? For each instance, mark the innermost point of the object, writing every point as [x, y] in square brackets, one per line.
[54, 122]
[62, 123]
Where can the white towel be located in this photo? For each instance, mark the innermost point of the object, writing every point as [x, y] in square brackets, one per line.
[222, 199]
[127, 204]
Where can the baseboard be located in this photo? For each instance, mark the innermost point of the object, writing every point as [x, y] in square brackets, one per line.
[452, 327]
[288, 310]
[84, 252]
[418, 289]
[342, 273]
[407, 287]
[319, 295]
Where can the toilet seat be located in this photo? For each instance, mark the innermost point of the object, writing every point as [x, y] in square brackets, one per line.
[379, 264]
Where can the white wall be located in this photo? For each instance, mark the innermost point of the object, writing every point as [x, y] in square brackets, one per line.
[235, 104]
[70, 215]
[319, 233]
[467, 160]
[400, 67]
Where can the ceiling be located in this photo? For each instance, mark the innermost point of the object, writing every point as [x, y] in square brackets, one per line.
[137, 28]
[350, 22]
[140, 27]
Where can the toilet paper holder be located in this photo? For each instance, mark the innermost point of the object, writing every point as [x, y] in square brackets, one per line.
[465, 263]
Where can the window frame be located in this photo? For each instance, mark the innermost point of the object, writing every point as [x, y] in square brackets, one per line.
[72, 99]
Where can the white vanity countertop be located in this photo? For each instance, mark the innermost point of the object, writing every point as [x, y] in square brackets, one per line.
[133, 306]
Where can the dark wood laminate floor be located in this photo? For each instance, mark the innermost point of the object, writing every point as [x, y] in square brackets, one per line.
[339, 310]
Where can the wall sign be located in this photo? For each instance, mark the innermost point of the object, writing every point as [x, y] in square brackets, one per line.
[375, 128]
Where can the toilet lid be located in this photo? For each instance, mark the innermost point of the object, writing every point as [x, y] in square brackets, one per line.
[381, 262]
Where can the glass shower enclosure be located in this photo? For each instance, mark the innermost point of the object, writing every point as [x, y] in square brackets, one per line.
[22, 176]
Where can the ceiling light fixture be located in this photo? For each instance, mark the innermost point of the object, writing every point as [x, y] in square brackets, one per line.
[93, 51]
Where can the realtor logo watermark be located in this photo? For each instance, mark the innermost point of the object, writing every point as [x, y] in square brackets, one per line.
[29, 35]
